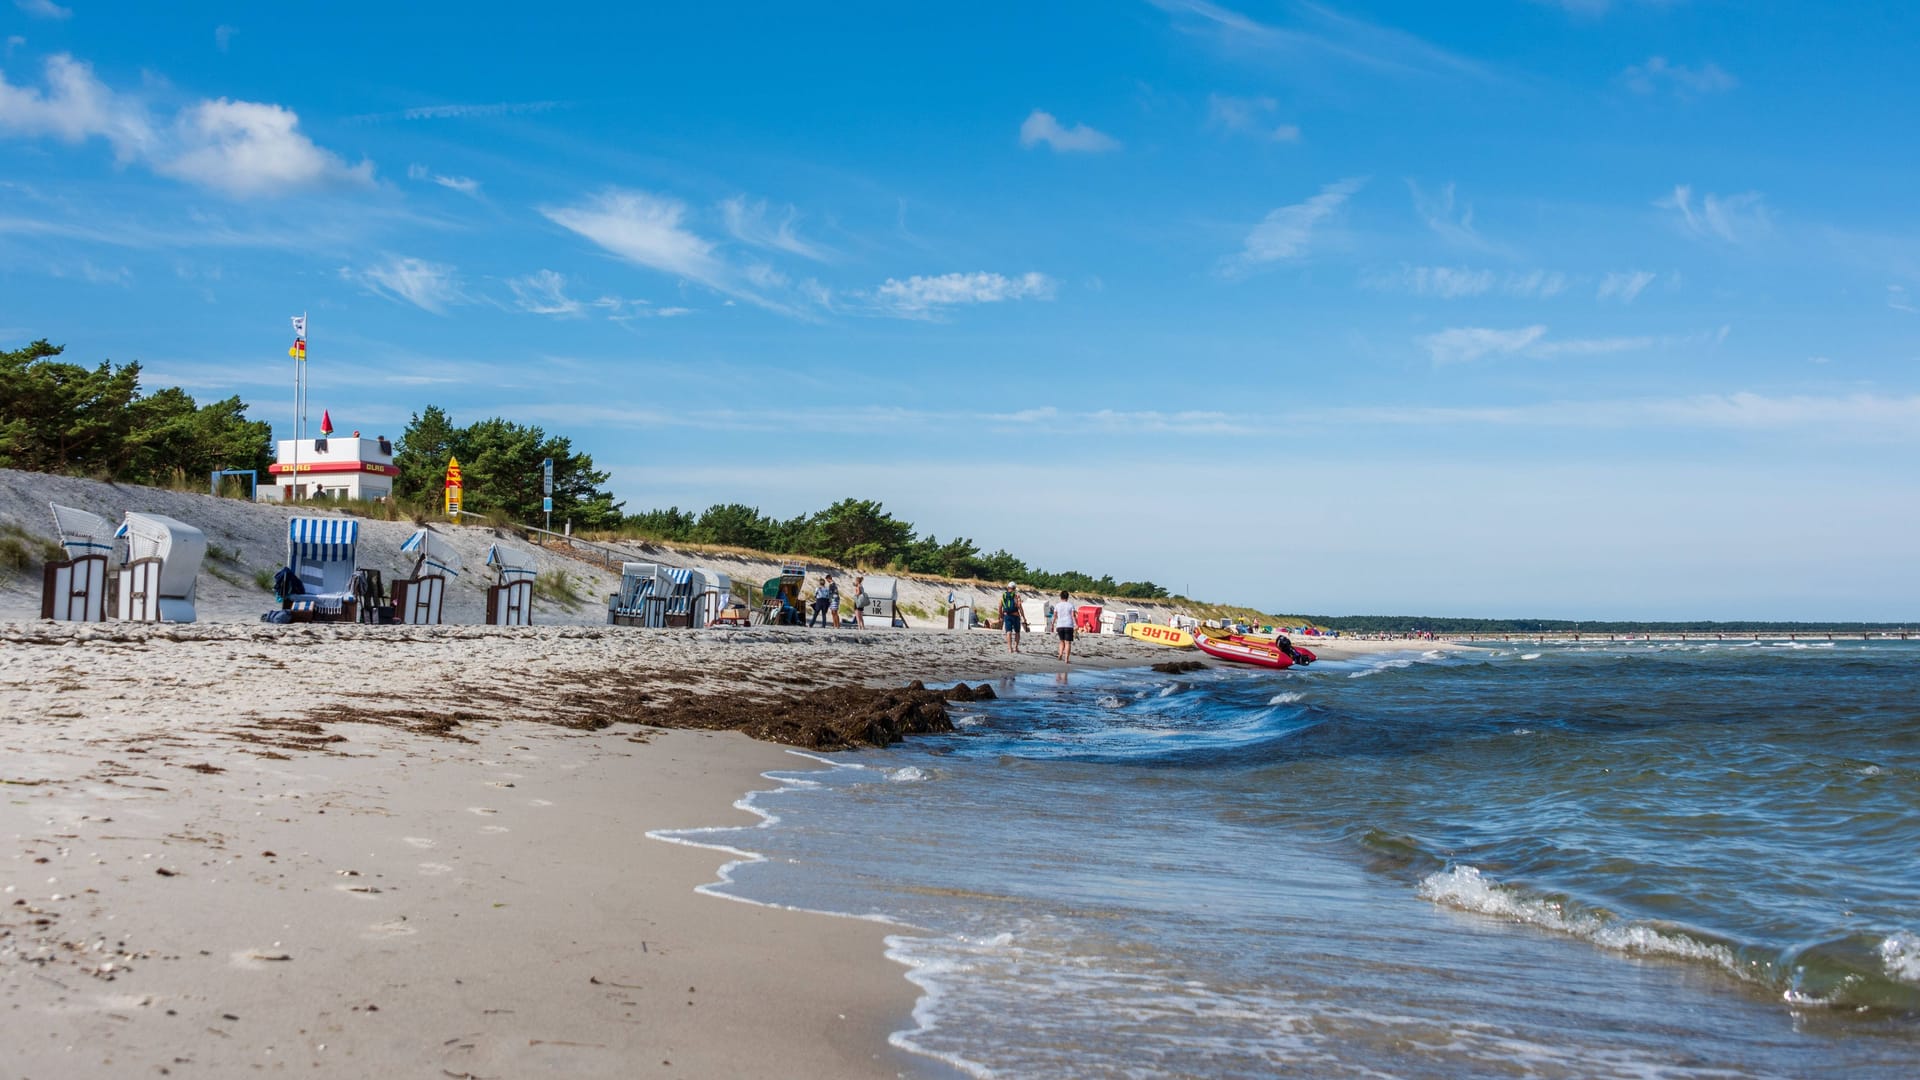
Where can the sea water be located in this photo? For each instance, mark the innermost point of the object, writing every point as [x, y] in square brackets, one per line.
[1697, 860]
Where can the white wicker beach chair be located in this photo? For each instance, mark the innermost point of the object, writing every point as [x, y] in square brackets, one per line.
[418, 600]
[75, 590]
[162, 572]
[510, 598]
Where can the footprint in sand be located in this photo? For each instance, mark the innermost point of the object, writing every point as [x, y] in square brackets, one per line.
[481, 810]
[364, 892]
[494, 829]
[435, 869]
[541, 802]
[419, 841]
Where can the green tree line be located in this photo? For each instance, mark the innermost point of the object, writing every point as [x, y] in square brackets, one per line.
[61, 417]
[500, 470]
[860, 532]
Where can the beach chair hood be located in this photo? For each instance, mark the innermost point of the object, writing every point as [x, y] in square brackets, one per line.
[82, 532]
[511, 564]
[437, 551]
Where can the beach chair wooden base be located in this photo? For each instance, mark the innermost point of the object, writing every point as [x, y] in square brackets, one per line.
[139, 591]
[510, 604]
[75, 590]
[418, 601]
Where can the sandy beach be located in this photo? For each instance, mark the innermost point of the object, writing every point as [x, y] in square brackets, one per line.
[422, 850]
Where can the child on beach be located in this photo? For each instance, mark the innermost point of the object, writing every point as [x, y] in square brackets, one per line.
[1010, 617]
[1063, 625]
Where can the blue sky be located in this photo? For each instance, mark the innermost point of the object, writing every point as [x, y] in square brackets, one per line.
[1591, 308]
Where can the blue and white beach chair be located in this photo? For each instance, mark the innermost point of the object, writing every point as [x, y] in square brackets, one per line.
[322, 553]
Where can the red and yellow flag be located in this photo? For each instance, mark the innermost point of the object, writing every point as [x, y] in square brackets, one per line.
[299, 350]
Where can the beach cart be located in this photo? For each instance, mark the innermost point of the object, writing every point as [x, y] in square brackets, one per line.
[780, 598]
[510, 597]
[418, 600]
[75, 589]
[162, 571]
[322, 554]
[882, 610]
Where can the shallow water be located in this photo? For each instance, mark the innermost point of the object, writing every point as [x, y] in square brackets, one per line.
[1551, 861]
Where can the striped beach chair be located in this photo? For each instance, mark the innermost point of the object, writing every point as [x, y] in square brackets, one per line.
[323, 553]
[680, 597]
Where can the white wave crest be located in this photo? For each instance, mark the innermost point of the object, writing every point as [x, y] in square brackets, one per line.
[1900, 954]
[1530, 656]
[1108, 701]
[1287, 698]
[1465, 888]
[908, 775]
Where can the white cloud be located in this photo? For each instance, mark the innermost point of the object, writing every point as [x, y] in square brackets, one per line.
[237, 147]
[1657, 74]
[428, 286]
[1452, 224]
[1733, 218]
[1041, 127]
[1286, 232]
[1334, 36]
[645, 229]
[543, 292]
[1456, 282]
[1624, 286]
[75, 107]
[249, 148]
[921, 297]
[1854, 414]
[1249, 116]
[461, 112]
[14, 41]
[748, 223]
[43, 9]
[223, 36]
[1464, 344]
[465, 185]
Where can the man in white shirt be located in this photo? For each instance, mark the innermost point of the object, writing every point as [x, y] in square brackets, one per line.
[1063, 626]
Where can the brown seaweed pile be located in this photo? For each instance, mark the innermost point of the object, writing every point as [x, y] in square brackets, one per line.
[832, 718]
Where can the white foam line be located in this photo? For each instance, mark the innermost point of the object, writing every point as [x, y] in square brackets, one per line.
[923, 1013]
[922, 1006]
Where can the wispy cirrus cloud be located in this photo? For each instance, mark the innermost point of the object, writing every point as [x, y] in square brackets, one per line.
[242, 148]
[544, 292]
[459, 112]
[44, 9]
[1319, 32]
[1041, 127]
[1252, 116]
[1456, 282]
[1733, 218]
[1850, 415]
[752, 223]
[1451, 220]
[1900, 300]
[1465, 344]
[645, 229]
[1287, 232]
[1624, 285]
[1658, 74]
[429, 286]
[924, 297]
[465, 185]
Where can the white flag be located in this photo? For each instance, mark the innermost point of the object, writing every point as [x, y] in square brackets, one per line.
[300, 326]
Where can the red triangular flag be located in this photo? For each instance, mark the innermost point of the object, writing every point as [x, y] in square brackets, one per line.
[326, 423]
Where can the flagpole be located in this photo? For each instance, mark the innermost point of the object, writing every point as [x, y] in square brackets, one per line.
[293, 487]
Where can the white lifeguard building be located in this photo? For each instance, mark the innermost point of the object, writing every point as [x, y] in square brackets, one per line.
[340, 467]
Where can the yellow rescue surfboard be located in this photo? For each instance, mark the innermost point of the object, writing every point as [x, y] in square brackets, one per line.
[1160, 635]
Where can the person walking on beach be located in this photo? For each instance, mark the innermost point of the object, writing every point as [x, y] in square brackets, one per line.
[1010, 617]
[1063, 626]
[859, 601]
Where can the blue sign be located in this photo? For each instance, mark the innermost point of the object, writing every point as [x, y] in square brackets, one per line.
[547, 504]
